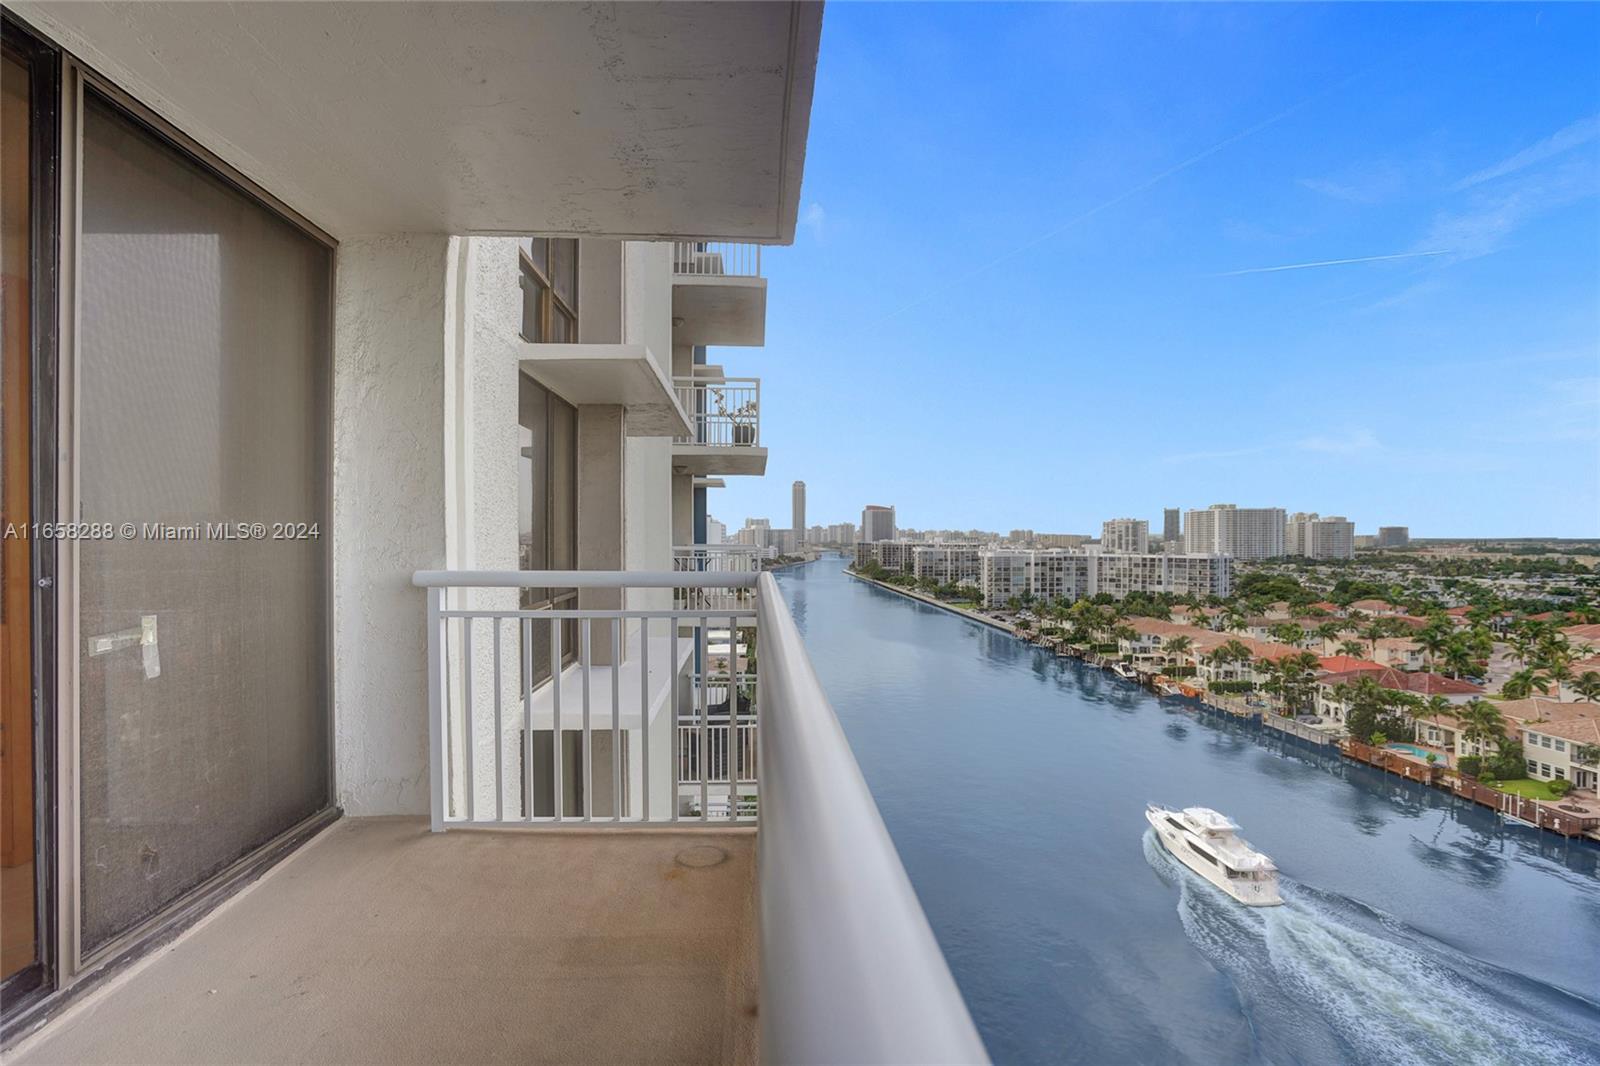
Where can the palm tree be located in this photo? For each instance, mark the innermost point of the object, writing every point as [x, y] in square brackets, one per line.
[1521, 685]
[1329, 631]
[1481, 723]
[1559, 670]
[1588, 685]
[1433, 640]
[1374, 633]
[1353, 648]
[1457, 658]
[1173, 649]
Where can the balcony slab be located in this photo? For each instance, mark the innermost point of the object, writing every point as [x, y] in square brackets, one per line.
[381, 942]
[704, 460]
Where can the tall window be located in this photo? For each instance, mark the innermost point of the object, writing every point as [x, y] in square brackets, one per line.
[550, 291]
[548, 508]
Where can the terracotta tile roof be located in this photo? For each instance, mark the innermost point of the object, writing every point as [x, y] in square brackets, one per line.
[1324, 605]
[1584, 634]
[1543, 709]
[1584, 730]
[1349, 664]
[1421, 682]
[1372, 606]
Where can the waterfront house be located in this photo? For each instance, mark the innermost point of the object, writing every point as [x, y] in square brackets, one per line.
[428, 288]
[1553, 734]
[1421, 684]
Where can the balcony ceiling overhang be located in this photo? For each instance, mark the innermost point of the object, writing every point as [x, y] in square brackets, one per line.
[719, 310]
[623, 375]
[711, 460]
[646, 120]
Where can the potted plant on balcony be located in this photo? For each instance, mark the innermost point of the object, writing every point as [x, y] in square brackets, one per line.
[744, 423]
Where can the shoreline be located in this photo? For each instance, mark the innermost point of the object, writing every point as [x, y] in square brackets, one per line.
[933, 601]
[1261, 720]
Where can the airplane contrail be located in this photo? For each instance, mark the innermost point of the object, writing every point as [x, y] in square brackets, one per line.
[1148, 183]
[1327, 263]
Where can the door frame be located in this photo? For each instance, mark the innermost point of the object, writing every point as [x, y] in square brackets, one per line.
[24, 989]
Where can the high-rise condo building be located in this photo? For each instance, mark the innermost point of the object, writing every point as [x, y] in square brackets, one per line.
[1393, 536]
[1125, 535]
[1316, 537]
[798, 511]
[877, 523]
[1171, 528]
[1242, 532]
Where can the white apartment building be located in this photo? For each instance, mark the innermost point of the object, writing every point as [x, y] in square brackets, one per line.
[425, 290]
[1242, 532]
[1316, 537]
[839, 533]
[947, 564]
[1130, 535]
[877, 523]
[716, 532]
[1062, 540]
[1073, 575]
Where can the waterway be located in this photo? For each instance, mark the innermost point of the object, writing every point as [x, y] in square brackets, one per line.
[1417, 928]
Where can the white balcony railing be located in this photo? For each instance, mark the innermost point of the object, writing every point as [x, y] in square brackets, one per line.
[715, 559]
[725, 412]
[733, 259]
[850, 970]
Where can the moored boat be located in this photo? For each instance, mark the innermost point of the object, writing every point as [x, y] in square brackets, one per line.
[1209, 844]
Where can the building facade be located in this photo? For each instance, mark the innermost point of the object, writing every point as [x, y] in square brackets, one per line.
[946, 564]
[1077, 574]
[1317, 537]
[797, 499]
[1130, 535]
[877, 523]
[1393, 537]
[1171, 527]
[1240, 532]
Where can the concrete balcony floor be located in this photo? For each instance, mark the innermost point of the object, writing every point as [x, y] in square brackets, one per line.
[382, 942]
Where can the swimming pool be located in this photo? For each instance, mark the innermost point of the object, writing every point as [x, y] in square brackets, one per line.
[1412, 749]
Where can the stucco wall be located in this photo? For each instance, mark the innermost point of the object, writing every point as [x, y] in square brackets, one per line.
[647, 319]
[391, 326]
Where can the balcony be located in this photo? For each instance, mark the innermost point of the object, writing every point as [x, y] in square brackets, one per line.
[716, 559]
[725, 426]
[592, 898]
[718, 294]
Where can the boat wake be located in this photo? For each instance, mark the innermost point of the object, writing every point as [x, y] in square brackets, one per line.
[1322, 978]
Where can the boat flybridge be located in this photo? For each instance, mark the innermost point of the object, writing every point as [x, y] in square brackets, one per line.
[1209, 844]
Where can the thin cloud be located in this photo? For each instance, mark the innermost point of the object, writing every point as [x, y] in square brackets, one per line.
[1148, 183]
[1580, 132]
[1226, 453]
[814, 218]
[1329, 263]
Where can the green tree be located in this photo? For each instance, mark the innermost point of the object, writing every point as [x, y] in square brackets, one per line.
[1523, 683]
[1587, 685]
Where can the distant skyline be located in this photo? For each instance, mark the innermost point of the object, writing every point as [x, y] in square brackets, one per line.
[1061, 263]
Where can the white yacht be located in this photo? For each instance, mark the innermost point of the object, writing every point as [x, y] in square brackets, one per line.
[1209, 844]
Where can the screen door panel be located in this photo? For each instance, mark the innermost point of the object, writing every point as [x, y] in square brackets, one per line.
[203, 403]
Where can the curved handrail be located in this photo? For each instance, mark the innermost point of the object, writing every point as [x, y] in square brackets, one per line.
[850, 969]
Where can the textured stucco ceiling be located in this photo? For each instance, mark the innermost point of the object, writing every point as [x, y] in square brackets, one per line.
[633, 119]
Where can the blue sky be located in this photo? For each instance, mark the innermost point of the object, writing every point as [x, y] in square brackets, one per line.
[1035, 281]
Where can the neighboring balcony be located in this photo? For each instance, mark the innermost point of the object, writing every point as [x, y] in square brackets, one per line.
[591, 889]
[716, 559]
[725, 426]
[718, 294]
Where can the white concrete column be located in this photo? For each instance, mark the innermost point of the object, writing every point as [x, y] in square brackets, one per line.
[392, 328]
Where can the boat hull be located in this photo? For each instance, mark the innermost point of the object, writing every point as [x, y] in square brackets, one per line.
[1250, 893]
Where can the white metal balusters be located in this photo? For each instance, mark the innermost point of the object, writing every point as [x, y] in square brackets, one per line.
[724, 412]
[716, 259]
[625, 690]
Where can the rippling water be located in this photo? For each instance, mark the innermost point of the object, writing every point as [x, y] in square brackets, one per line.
[1416, 929]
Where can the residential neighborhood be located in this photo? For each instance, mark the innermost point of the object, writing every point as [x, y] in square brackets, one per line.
[1485, 673]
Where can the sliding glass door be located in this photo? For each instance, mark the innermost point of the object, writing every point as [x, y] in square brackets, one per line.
[202, 366]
